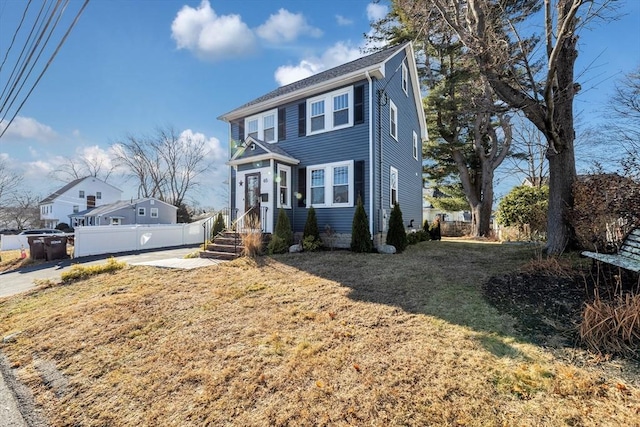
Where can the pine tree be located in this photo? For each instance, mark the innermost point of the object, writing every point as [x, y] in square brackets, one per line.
[311, 236]
[218, 226]
[283, 236]
[396, 235]
[360, 235]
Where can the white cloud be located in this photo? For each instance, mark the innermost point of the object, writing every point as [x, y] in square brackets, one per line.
[337, 54]
[216, 152]
[376, 11]
[285, 27]
[27, 128]
[211, 36]
[341, 20]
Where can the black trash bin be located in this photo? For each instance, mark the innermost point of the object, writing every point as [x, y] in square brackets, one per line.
[55, 247]
[36, 247]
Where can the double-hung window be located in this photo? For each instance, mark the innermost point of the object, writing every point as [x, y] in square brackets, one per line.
[317, 116]
[81, 194]
[330, 111]
[284, 185]
[262, 126]
[331, 185]
[153, 212]
[98, 195]
[393, 186]
[142, 211]
[415, 145]
[393, 120]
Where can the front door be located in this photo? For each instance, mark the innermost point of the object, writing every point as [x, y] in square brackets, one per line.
[252, 197]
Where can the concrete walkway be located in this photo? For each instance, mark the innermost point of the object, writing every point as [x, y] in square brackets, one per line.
[14, 404]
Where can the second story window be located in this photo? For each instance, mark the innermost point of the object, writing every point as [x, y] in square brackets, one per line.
[415, 145]
[142, 211]
[153, 212]
[405, 79]
[81, 194]
[393, 120]
[330, 111]
[98, 195]
[262, 126]
[76, 208]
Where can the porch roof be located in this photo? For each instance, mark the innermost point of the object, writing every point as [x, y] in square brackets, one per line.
[271, 151]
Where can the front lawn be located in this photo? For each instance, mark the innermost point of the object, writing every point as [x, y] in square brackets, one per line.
[328, 338]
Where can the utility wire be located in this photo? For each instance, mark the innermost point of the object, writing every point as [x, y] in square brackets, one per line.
[62, 41]
[13, 39]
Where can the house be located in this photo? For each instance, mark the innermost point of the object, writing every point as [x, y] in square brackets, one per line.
[78, 195]
[430, 212]
[139, 211]
[355, 130]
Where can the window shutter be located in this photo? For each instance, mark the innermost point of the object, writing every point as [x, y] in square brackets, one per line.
[358, 179]
[302, 187]
[358, 104]
[302, 119]
[241, 130]
[282, 124]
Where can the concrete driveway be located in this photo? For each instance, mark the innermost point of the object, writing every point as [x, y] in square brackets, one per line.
[19, 281]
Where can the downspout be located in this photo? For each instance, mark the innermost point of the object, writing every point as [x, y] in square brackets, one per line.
[371, 148]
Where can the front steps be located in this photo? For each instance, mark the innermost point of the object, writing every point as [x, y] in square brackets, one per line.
[228, 246]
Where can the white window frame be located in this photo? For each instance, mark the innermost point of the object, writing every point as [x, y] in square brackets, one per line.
[328, 169]
[76, 208]
[405, 79]
[415, 145]
[116, 221]
[393, 171]
[287, 186]
[393, 120]
[98, 195]
[141, 211]
[260, 118]
[329, 110]
[153, 213]
[81, 194]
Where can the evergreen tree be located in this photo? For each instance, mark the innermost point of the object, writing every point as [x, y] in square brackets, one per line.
[360, 235]
[283, 235]
[311, 236]
[218, 226]
[396, 235]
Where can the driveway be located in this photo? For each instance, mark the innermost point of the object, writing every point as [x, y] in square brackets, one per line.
[22, 280]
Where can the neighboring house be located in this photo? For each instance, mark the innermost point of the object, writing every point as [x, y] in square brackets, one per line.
[352, 131]
[430, 213]
[76, 196]
[140, 211]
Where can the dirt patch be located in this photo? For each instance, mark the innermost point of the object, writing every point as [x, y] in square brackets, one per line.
[548, 307]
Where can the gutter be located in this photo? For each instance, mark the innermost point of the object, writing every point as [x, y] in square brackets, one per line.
[371, 142]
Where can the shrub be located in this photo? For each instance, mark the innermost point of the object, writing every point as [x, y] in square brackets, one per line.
[311, 236]
[218, 226]
[282, 236]
[525, 205]
[434, 230]
[360, 235]
[417, 237]
[606, 207]
[63, 226]
[396, 235]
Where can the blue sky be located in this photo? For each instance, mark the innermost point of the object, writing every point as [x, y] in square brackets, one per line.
[131, 66]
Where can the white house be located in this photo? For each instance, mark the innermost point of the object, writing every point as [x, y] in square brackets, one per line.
[76, 196]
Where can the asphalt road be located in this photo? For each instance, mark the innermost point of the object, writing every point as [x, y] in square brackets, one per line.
[19, 281]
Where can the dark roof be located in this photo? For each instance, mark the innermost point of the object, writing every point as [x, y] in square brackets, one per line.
[350, 67]
[51, 197]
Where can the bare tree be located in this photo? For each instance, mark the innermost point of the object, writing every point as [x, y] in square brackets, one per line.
[22, 211]
[10, 182]
[83, 166]
[527, 157]
[493, 33]
[166, 165]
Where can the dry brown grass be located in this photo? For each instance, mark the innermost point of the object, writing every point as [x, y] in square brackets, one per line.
[329, 338]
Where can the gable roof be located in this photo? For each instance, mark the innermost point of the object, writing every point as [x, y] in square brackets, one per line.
[269, 151]
[51, 197]
[111, 207]
[340, 75]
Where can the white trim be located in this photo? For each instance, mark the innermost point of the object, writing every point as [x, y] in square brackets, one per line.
[154, 213]
[260, 118]
[393, 120]
[287, 185]
[415, 145]
[371, 145]
[141, 211]
[328, 169]
[393, 171]
[328, 99]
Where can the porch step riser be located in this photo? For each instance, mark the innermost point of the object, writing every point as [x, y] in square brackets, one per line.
[215, 247]
[225, 256]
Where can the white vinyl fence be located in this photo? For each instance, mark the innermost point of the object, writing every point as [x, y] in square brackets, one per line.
[98, 240]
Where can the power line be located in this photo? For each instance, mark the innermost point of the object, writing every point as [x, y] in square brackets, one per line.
[34, 46]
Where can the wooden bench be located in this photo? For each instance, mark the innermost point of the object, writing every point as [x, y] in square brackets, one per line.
[628, 257]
